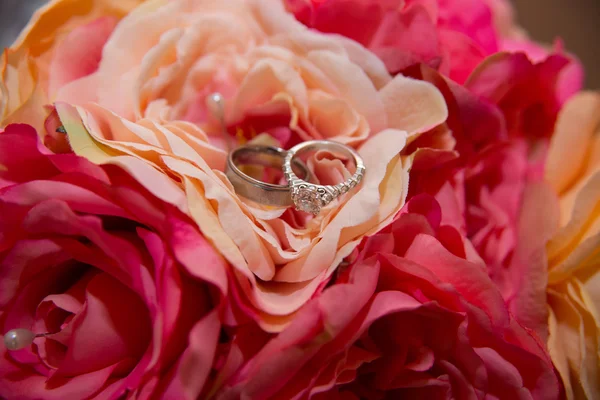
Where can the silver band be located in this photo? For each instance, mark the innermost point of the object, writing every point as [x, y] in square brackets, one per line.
[252, 189]
[310, 197]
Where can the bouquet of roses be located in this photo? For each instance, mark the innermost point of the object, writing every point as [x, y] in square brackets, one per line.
[296, 199]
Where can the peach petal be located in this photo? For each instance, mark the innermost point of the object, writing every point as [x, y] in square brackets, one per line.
[332, 116]
[576, 126]
[574, 335]
[327, 171]
[555, 348]
[371, 64]
[79, 139]
[31, 110]
[178, 138]
[57, 15]
[413, 106]
[574, 249]
[36, 44]
[157, 17]
[22, 97]
[83, 144]
[80, 91]
[183, 140]
[17, 81]
[354, 85]
[276, 299]
[266, 79]
[273, 17]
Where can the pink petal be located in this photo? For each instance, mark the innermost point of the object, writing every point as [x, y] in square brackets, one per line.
[195, 253]
[113, 326]
[190, 374]
[469, 279]
[526, 293]
[20, 383]
[78, 199]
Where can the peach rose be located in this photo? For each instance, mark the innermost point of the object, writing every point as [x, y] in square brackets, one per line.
[282, 83]
[573, 169]
[42, 58]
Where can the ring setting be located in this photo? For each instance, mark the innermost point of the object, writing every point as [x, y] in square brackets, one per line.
[309, 197]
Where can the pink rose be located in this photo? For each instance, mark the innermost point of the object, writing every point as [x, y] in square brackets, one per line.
[435, 32]
[402, 33]
[487, 175]
[416, 316]
[129, 292]
[529, 92]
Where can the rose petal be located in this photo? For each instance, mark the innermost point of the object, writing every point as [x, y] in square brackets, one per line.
[574, 133]
[413, 106]
[20, 383]
[113, 326]
[83, 44]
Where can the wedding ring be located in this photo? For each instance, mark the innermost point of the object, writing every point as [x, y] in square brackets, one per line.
[253, 189]
[310, 197]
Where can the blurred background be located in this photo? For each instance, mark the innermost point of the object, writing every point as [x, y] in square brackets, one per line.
[577, 22]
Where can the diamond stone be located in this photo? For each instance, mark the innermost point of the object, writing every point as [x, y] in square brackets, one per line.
[307, 199]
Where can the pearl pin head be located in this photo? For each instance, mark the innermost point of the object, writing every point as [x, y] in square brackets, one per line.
[215, 103]
[17, 339]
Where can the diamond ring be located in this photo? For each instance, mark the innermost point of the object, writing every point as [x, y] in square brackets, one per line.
[309, 197]
[256, 190]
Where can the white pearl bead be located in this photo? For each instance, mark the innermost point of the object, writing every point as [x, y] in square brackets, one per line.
[215, 104]
[18, 339]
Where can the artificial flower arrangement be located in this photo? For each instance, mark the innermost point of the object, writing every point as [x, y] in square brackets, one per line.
[451, 251]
